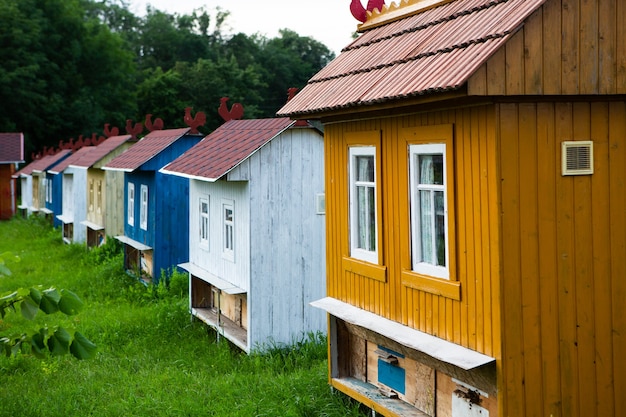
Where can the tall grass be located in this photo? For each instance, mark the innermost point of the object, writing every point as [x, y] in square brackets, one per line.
[152, 359]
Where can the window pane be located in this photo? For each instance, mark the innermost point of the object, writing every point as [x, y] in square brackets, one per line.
[366, 211]
[228, 215]
[440, 232]
[426, 226]
[431, 169]
[365, 168]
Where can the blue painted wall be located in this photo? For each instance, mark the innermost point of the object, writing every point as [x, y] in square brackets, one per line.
[57, 197]
[168, 208]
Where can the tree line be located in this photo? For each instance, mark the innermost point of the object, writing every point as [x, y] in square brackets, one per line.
[67, 67]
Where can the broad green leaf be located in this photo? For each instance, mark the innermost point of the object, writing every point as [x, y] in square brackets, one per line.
[35, 294]
[29, 308]
[70, 304]
[50, 301]
[82, 348]
[59, 342]
[5, 342]
[38, 343]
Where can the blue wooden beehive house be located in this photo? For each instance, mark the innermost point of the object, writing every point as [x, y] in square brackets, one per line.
[156, 206]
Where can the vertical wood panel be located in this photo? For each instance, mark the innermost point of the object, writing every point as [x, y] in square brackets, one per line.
[513, 341]
[548, 166]
[585, 333]
[533, 56]
[566, 271]
[617, 162]
[601, 226]
[529, 257]
[496, 70]
[515, 64]
[607, 32]
[589, 47]
[552, 47]
[569, 48]
[620, 56]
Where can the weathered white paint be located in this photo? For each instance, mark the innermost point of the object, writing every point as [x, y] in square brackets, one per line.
[75, 201]
[280, 237]
[26, 189]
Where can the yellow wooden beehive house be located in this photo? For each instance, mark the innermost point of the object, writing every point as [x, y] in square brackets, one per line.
[476, 204]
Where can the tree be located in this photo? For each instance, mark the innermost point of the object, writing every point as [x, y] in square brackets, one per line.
[57, 341]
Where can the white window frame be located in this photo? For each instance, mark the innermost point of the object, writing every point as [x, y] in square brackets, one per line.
[143, 210]
[203, 223]
[426, 268]
[47, 185]
[228, 230]
[91, 195]
[364, 254]
[99, 196]
[130, 214]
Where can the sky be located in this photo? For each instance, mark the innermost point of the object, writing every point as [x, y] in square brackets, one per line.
[327, 21]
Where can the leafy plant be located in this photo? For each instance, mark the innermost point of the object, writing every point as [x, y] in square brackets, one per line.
[57, 341]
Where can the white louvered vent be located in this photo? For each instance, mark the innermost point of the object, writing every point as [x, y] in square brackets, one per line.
[577, 157]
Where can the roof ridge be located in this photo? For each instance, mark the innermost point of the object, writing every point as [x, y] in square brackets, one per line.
[428, 24]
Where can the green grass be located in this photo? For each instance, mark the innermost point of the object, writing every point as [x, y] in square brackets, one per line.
[152, 359]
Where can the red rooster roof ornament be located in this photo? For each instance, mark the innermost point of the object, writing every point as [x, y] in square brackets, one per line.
[133, 130]
[235, 112]
[199, 119]
[156, 125]
[110, 131]
[360, 13]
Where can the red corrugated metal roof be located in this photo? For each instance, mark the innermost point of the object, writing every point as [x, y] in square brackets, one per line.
[226, 147]
[147, 148]
[44, 163]
[434, 50]
[101, 151]
[11, 148]
[60, 167]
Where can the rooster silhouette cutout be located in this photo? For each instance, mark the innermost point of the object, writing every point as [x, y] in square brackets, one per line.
[360, 13]
[133, 130]
[199, 119]
[156, 125]
[235, 112]
[110, 131]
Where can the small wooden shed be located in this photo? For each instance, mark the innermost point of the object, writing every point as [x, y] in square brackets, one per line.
[73, 196]
[156, 206]
[44, 187]
[475, 154]
[105, 190]
[11, 154]
[34, 183]
[256, 237]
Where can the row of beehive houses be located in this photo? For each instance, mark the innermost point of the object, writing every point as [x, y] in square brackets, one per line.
[475, 155]
[475, 211]
[241, 210]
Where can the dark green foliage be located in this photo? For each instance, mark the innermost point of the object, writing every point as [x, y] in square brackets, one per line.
[67, 67]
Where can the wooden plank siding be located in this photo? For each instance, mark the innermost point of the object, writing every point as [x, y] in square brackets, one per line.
[474, 320]
[566, 47]
[563, 246]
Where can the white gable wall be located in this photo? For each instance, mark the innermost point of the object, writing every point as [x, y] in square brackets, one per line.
[287, 238]
[78, 200]
[237, 272]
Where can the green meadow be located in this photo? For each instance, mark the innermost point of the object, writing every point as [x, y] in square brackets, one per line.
[152, 359]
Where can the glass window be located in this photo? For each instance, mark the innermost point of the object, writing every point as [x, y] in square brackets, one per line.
[228, 238]
[429, 212]
[204, 221]
[99, 196]
[363, 204]
[143, 213]
[130, 215]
